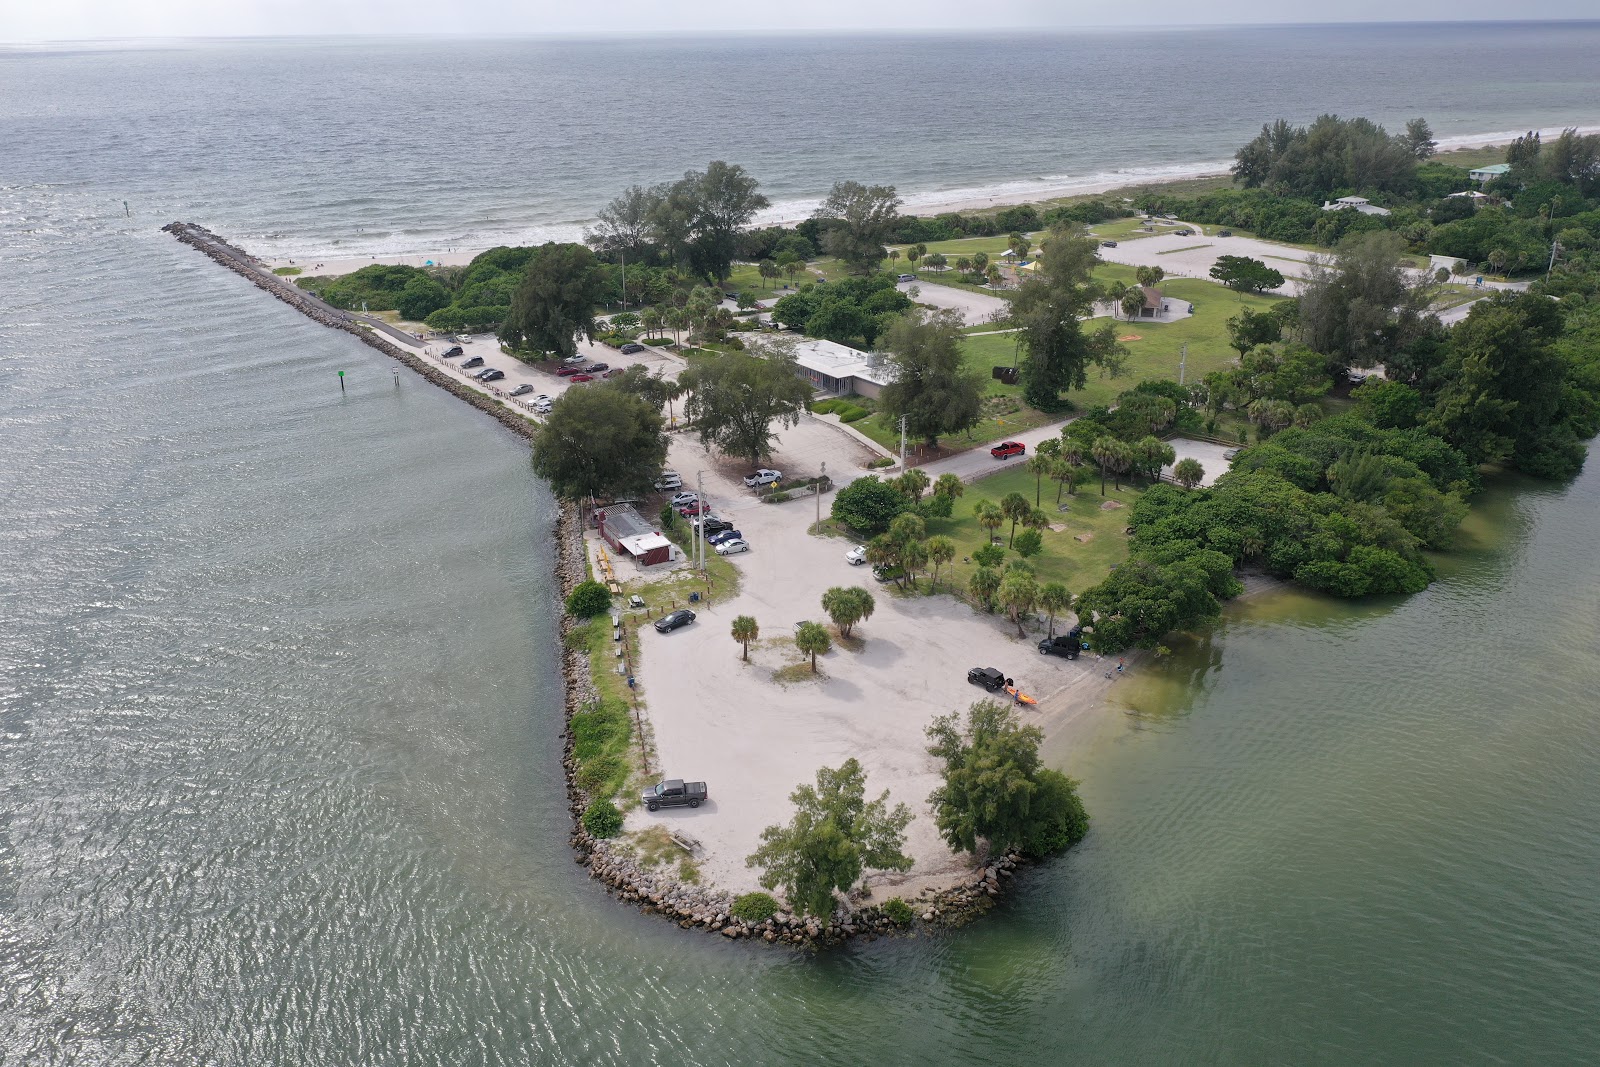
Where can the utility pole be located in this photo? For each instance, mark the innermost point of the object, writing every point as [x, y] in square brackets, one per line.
[1555, 246]
[1183, 359]
[818, 526]
[902, 444]
[700, 531]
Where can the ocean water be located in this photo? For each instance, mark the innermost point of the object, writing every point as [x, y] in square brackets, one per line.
[278, 700]
[387, 146]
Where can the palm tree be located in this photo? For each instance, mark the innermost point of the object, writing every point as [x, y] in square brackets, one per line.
[812, 639]
[913, 557]
[745, 630]
[894, 255]
[949, 485]
[983, 584]
[1114, 293]
[916, 252]
[935, 260]
[676, 320]
[1104, 451]
[980, 262]
[1062, 472]
[941, 550]
[1015, 507]
[769, 270]
[1122, 458]
[994, 274]
[1038, 465]
[1054, 599]
[1071, 449]
[1132, 302]
[963, 264]
[1189, 472]
[650, 319]
[1019, 592]
[913, 483]
[1150, 276]
[847, 605]
[988, 516]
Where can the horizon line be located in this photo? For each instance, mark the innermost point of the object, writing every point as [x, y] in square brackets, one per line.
[712, 32]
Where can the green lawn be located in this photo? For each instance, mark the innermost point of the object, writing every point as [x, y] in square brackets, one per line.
[1129, 229]
[1156, 351]
[966, 246]
[1005, 416]
[1077, 564]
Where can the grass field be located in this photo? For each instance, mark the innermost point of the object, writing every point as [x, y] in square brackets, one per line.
[1076, 563]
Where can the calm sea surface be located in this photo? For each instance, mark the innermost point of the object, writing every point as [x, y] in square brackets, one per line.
[278, 700]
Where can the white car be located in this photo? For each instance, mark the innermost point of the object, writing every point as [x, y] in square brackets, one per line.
[730, 548]
[575, 359]
[856, 556]
[666, 484]
[762, 477]
[684, 499]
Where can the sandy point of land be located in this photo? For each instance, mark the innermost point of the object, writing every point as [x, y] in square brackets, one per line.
[753, 737]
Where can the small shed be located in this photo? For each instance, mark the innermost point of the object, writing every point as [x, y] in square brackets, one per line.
[628, 534]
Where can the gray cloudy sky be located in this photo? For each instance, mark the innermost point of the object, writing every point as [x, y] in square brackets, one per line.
[27, 20]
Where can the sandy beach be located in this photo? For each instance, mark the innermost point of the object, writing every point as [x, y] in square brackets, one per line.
[1001, 194]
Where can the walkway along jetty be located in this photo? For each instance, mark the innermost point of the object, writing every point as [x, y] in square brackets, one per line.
[691, 907]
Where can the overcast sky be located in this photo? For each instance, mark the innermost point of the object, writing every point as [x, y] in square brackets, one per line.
[33, 20]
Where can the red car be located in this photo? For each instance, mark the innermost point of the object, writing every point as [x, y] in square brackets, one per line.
[1007, 449]
[567, 372]
[694, 509]
[576, 378]
[612, 373]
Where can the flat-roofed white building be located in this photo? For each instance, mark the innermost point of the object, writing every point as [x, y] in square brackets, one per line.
[836, 368]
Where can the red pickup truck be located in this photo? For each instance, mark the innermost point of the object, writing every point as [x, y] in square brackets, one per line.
[1007, 449]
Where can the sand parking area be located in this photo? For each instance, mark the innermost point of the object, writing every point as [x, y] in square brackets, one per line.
[753, 739]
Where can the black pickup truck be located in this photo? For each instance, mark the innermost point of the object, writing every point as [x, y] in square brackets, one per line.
[673, 793]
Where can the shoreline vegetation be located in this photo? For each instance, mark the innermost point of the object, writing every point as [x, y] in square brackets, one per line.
[1365, 392]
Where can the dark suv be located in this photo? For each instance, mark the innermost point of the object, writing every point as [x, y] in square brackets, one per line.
[452, 353]
[1066, 645]
[988, 677]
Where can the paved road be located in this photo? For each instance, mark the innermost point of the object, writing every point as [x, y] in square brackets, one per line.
[974, 307]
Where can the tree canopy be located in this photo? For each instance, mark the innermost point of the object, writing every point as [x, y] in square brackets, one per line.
[869, 505]
[994, 788]
[835, 836]
[737, 401]
[599, 442]
[1048, 308]
[1330, 156]
[1242, 272]
[555, 300]
[694, 223]
[856, 221]
[931, 386]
